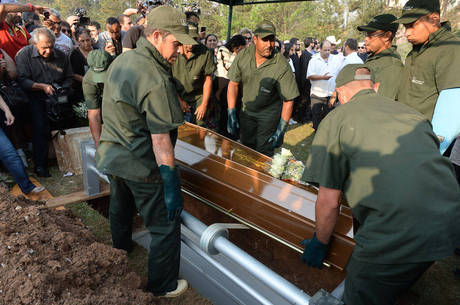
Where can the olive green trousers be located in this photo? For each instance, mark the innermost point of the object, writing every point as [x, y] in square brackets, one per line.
[379, 284]
[164, 253]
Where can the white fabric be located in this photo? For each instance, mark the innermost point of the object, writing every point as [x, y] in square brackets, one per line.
[64, 44]
[227, 61]
[318, 66]
[291, 63]
[351, 58]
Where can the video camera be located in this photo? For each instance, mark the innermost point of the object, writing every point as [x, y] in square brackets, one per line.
[142, 7]
[192, 8]
[82, 19]
[57, 105]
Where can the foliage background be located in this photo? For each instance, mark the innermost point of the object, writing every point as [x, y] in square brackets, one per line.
[293, 19]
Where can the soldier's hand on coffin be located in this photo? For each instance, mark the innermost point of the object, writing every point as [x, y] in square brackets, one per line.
[232, 122]
[172, 192]
[278, 137]
[314, 253]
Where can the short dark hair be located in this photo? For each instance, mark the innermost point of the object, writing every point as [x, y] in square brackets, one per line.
[294, 40]
[352, 44]
[80, 32]
[308, 41]
[235, 41]
[209, 35]
[96, 24]
[323, 42]
[112, 21]
[287, 46]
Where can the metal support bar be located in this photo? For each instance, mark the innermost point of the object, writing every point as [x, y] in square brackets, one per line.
[90, 173]
[257, 269]
[229, 25]
[260, 298]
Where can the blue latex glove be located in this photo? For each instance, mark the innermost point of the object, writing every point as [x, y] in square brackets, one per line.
[232, 122]
[278, 137]
[314, 252]
[446, 117]
[172, 192]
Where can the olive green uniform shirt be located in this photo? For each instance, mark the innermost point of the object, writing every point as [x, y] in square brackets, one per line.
[429, 69]
[387, 68]
[190, 74]
[92, 91]
[264, 88]
[385, 158]
[140, 99]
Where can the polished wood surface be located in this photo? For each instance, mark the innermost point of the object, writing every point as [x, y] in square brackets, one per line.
[233, 178]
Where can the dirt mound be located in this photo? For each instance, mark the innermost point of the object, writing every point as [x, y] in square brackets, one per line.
[50, 257]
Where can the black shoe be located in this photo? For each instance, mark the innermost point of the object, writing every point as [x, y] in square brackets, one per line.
[42, 172]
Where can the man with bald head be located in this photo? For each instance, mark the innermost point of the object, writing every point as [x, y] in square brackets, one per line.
[407, 204]
[321, 70]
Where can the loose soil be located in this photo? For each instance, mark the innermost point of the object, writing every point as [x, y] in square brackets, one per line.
[50, 257]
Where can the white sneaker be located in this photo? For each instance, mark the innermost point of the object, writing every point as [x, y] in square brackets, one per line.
[182, 286]
[23, 157]
[37, 190]
[292, 122]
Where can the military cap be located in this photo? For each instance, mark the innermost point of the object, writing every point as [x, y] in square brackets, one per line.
[414, 9]
[193, 29]
[170, 19]
[381, 22]
[264, 29]
[99, 61]
[347, 74]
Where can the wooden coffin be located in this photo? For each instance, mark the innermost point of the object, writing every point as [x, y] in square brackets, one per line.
[232, 177]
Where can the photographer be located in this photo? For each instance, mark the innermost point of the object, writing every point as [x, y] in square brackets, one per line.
[78, 21]
[40, 66]
[53, 22]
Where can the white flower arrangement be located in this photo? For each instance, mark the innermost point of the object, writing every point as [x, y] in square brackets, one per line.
[284, 166]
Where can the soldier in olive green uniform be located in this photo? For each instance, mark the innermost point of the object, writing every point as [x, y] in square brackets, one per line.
[93, 88]
[385, 62]
[384, 157]
[269, 87]
[141, 114]
[433, 65]
[192, 72]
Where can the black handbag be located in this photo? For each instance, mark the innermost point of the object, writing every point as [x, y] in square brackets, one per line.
[12, 93]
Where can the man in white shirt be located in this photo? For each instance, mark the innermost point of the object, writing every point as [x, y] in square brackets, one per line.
[321, 72]
[350, 56]
[62, 43]
[350, 51]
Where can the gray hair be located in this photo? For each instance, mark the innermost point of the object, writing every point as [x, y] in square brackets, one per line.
[55, 13]
[42, 31]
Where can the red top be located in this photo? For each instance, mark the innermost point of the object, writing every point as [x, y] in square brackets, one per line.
[12, 39]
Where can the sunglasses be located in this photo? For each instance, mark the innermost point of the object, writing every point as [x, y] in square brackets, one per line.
[65, 31]
[374, 34]
[248, 38]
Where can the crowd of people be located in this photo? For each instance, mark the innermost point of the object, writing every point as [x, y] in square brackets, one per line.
[154, 67]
